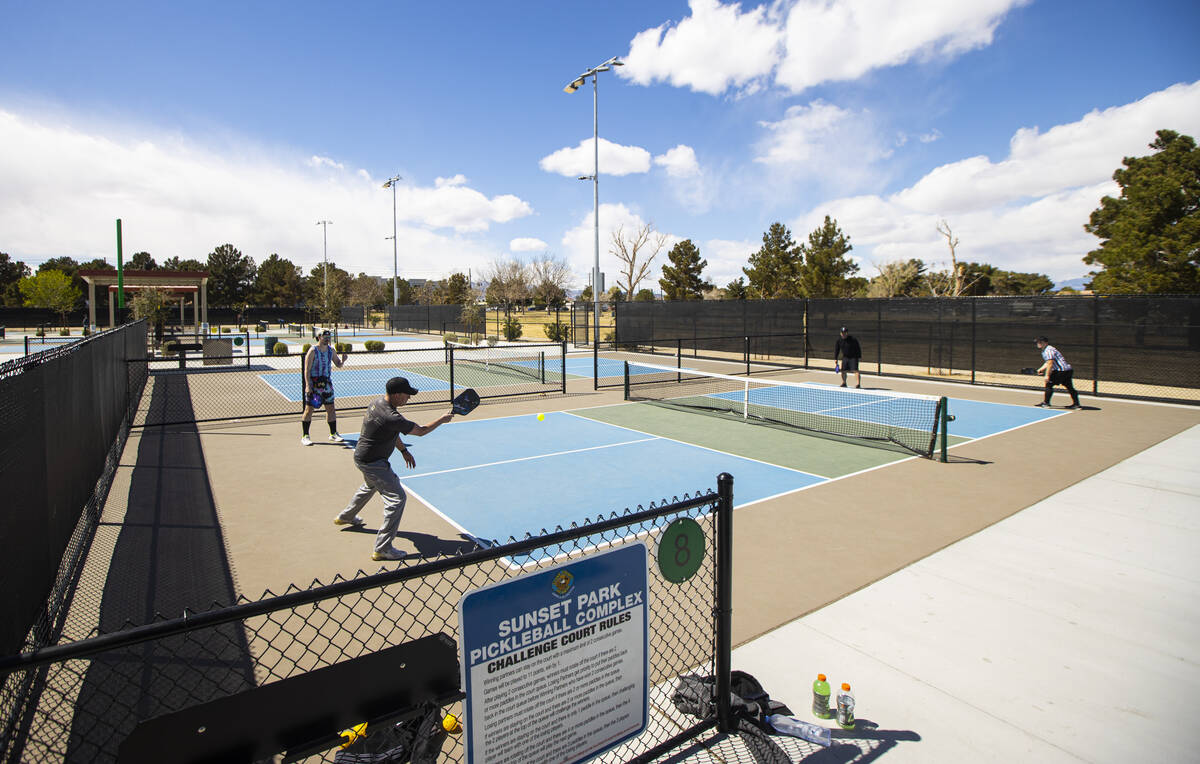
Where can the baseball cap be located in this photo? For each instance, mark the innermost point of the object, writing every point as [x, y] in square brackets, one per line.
[1043, 338]
[843, 330]
[400, 385]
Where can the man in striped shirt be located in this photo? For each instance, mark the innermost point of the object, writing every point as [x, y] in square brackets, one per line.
[318, 386]
[1057, 372]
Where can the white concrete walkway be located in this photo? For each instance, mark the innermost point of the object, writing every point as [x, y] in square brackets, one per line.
[1069, 632]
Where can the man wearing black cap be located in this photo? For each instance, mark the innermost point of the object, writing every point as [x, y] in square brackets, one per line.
[382, 429]
[850, 351]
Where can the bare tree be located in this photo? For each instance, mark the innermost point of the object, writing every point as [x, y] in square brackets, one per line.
[646, 243]
[509, 282]
[550, 277]
[954, 283]
[899, 279]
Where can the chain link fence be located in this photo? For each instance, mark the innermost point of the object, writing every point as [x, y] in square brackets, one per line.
[84, 699]
[183, 389]
[1137, 346]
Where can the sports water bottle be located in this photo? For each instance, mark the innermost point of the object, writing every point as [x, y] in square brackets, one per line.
[790, 725]
[821, 698]
[845, 707]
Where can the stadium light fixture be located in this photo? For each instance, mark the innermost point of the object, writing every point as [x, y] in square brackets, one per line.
[391, 183]
[574, 85]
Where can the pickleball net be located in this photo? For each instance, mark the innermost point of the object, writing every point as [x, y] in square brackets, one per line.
[907, 420]
[505, 359]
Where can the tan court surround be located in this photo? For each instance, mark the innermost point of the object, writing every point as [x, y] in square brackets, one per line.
[178, 283]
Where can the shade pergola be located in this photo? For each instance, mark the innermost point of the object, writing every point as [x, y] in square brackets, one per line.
[181, 284]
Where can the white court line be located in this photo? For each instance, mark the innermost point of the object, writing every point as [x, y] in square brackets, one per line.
[531, 458]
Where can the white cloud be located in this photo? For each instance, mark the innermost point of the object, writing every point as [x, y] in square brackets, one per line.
[527, 245]
[715, 48]
[718, 47]
[178, 198]
[615, 159]
[679, 162]
[832, 41]
[1024, 212]
[838, 148]
[726, 259]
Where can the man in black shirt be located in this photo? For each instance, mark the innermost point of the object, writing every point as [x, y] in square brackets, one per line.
[382, 429]
[850, 351]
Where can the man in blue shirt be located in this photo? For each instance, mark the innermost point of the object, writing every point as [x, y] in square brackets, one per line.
[1057, 371]
[382, 430]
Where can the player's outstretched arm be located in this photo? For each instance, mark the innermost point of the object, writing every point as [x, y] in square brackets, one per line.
[425, 429]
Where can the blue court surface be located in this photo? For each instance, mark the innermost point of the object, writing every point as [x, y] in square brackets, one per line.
[495, 478]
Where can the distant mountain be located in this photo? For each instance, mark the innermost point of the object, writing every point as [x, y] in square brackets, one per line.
[1077, 284]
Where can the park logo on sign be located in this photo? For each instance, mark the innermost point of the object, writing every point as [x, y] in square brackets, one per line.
[562, 584]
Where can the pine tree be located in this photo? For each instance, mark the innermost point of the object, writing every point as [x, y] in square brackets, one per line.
[681, 279]
[774, 269]
[825, 269]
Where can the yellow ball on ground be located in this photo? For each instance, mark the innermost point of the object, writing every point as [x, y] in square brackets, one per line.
[541, 417]
[450, 724]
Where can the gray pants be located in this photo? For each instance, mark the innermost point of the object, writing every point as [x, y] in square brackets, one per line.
[379, 477]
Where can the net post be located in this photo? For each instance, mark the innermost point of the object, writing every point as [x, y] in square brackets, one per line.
[723, 600]
[746, 400]
[747, 354]
[542, 366]
[450, 352]
[26, 344]
[944, 419]
[564, 367]
[626, 363]
[596, 360]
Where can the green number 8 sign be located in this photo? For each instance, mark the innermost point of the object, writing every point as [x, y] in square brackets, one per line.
[681, 550]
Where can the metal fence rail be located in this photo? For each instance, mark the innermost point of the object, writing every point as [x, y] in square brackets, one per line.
[183, 390]
[92, 694]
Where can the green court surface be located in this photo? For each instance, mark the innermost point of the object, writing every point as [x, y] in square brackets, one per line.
[818, 455]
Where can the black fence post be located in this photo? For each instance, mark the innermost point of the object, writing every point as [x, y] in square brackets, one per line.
[564, 367]
[1095, 344]
[879, 339]
[972, 340]
[723, 598]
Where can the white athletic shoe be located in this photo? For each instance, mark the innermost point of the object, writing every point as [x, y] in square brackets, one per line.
[335, 438]
[391, 553]
[305, 441]
[356, 520]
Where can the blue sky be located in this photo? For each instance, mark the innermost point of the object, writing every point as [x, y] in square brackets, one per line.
[202, 124]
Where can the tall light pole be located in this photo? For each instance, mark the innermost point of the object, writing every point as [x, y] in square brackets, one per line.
[391, 183]
[325, 253]
[575, 84]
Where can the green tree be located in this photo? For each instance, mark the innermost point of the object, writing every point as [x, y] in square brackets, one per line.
[230, 276]
[681, 279]
[614, 294]
[175, 264]
[71, 268]
[11, 273]
[142, 261]
[824, 270]
[899, 279]
[774, 268]
[736, 290]
[277, 283]
[152, 304]
[644, 295]
[315, 294]
[456, 290]
[586, 294]
[472, 318]
[404, 292]
[53, 290]
[1150, 236]
[370, 291]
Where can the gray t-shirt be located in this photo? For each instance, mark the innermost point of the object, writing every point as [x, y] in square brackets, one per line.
[381, 425]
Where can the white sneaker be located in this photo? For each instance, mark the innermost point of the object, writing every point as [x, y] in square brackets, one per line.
[335, 438]
[391, 553]
[306, 441]
[356, 520]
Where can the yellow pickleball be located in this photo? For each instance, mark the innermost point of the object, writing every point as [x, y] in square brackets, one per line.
[541, 417]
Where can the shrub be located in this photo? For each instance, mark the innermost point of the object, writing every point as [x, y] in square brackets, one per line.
[558, 332]
[476, 338]
[450, 337]
[281, 348]
[374, 346]
[492, 340]
[41, 332]
[64, 332]
[511, 329]
[344, 347]
[304, 349]
[225, 330]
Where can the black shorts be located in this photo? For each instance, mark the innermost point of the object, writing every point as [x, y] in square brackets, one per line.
[849, 364]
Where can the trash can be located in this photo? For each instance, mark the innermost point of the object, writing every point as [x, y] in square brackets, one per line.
[269, 345]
